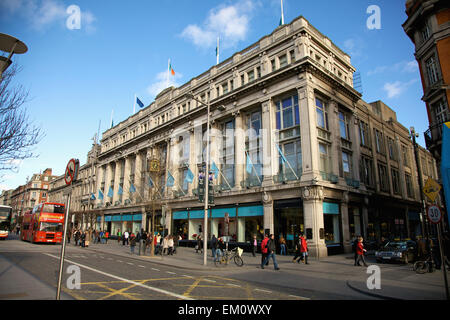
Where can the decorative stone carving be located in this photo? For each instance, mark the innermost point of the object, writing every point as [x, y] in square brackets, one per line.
[312, 193]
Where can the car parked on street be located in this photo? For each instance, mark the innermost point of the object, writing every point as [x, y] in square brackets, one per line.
[404, 251]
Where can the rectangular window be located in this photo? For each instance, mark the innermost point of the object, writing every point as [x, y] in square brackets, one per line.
[287, 113]
[383, 177]
[409, 186]
[225, 88]
[431, 70]
[251, 75]
[343, 126]
[364, 134]
[440, 111]
[379, 141]
[293, 153]
[395, 181]
[272, 62]
[283, 61]
[346, 162]
[322, 114]
[324, 154]
[392, 149]
[425, 32]
[366, 171]
[292, 53]
[258, 72]
[253, 143]
[228, 153]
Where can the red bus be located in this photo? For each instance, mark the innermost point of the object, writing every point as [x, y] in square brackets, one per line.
[44, 223]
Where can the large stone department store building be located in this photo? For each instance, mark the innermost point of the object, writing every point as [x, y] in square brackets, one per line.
[297, 148]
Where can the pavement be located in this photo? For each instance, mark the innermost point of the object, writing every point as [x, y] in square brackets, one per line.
[398, 282]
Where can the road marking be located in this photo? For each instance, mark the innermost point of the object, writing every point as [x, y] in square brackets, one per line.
[126, 280]
[170, 272]
[119, 261]
[299, 297]
[262, 290]
[234, 285]
[209, 280]
[185, 275]
[141, 266]
[155, 269]
[132, 264]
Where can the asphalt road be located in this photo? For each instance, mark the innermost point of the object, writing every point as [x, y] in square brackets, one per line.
[110, 276]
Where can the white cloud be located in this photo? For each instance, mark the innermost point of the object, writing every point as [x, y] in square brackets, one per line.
[403, 66]
[231, 23]
[162, 81]
[41, 14]
[396, 88]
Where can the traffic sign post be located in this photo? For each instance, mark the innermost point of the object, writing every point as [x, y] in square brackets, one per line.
[434, 215]
[70, 176]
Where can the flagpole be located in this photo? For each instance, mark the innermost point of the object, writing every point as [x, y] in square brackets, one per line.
[282, 13]
[168, 73]
[218, 51]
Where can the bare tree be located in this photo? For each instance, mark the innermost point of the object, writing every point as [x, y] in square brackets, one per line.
[18, 135]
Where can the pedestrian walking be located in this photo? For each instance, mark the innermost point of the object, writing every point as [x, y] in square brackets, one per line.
[221, 246]
[264, 250]
[303, 249]
[119, 236]
[254, 246]
[213, 246]
[106, 237]
[170, 244]
[271, 248]
[126, 236]
[282, 246]
[165, 245]
[144, 240]
[298, 254]
[360, 253]
[69, 234]
[132, 242]
[83, 239]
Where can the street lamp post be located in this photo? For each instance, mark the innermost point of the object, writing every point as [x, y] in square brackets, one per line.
[424, 224]
[205, 222]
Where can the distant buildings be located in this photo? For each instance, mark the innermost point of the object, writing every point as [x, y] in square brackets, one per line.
[428, 27]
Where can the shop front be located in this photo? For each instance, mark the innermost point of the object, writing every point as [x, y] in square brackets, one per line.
[289, 221]
[332, 227]
[122, 222]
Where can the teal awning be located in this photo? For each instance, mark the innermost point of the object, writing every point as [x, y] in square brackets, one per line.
[330, 208]
[251, 211]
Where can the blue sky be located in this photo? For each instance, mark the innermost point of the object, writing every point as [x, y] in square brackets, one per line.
[76, 77]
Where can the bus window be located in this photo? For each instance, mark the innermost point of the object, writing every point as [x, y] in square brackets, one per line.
[53, 208]
[51, 227]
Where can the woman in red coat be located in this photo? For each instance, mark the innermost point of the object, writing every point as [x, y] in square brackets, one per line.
[304, 248]
[360, 253]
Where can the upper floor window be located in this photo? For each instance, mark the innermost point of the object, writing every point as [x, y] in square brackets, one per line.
[405, 155]
[283, 60]
[425, 32]
[343, 125]
[392, 149]
[364, 134]
[440, 111]
[287, 113]
[432, 72]
[379, 141]
[251, 75]
[346, 162]
[322, 114]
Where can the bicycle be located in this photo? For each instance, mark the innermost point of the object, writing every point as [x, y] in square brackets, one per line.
[229, 255]
[423, 266]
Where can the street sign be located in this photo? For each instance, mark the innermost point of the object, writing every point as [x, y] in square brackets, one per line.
[431, 189]
[71, 171]
[434, 214]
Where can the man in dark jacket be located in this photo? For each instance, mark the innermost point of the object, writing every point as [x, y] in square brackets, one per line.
[271, 247]
[213, 246]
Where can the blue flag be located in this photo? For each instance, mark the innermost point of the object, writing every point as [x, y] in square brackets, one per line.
[132, 188]
[150, 182]
[249, 164]
[170, 179]
[215, 170]
[92, 196]
[189, 176]
[139, 102]
[445, 164]
[283, 158]
[110, 192]
[120, 191]
[100, 194]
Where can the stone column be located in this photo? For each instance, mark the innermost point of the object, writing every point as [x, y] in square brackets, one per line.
[365, 217]
[335, 150]
[138, 176]
[126, 179]
[119, 165]
[239, 149]
[108, 178]
[267, 160]
[345, 223]
[308, 128]
[313, 219]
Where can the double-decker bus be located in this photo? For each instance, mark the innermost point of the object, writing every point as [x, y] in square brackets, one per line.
[44, 223]
[5, 221]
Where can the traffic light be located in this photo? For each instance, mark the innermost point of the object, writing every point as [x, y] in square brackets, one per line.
[210, 191]
[201, 188]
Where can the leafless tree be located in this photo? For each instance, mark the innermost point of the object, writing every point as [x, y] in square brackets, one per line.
[18, 135]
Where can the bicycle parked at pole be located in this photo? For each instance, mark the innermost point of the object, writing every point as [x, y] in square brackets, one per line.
[428, 265]
[228, 255]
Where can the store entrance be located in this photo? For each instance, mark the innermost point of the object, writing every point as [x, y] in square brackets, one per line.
[288, 221]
